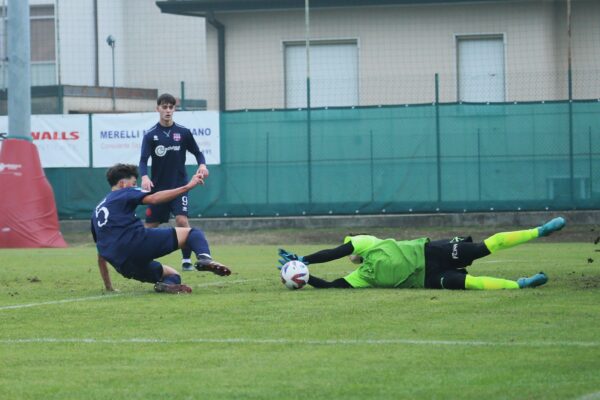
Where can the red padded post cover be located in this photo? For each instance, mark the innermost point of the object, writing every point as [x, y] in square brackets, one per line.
[28, 216]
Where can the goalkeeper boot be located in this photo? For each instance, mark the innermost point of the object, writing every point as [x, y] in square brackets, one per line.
[533, 281]
[174, 288]
[553, 225]
[206, 263]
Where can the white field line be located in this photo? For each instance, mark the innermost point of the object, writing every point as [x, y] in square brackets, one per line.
[227, 282]
[325, 342]
[590, 396]
[112, 295]
[46, 303]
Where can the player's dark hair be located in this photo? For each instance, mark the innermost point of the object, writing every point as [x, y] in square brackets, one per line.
[120, 171]
[166, 98]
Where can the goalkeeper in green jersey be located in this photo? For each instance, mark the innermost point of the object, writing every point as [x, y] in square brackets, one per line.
[422, 263]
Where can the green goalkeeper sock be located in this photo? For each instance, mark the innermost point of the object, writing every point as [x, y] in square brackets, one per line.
[488, 283]
[505, 240]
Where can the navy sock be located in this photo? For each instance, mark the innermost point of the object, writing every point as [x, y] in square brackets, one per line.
[172, 279]
[186, 253]
[197, 242]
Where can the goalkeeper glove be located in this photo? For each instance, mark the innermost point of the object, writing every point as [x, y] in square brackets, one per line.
[287, 257]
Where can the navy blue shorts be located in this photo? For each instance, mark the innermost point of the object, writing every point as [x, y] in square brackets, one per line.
[140, 265]
[162, 212]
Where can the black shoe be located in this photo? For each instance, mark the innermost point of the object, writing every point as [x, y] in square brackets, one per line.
[208, 264]
[162, 287]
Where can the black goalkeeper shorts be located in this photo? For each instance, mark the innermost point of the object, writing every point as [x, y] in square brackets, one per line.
[446, 261]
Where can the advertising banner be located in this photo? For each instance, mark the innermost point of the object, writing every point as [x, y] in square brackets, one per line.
[117, 138]
[62, 140]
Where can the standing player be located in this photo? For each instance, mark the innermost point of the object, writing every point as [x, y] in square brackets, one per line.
[123, 241]
[167, 144]
[421, 263]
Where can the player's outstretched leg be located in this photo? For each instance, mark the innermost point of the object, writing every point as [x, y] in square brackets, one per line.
[162, 287]
[533, 281]
[206, 263]
[488, 283]
[551, 226]
[171, 284]
[505, 240]
[196, 240]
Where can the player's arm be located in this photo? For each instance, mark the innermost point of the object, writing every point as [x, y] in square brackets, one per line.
[202, 170]
[319, 283]
[320, 256]
[103, 267]
[167, 195]
[195, 150]
[330, 254]
[143, 165]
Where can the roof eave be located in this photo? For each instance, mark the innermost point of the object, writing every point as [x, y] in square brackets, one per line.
[201, 8]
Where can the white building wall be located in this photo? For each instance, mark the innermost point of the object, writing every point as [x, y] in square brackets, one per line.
[586, 49]
[212, 71]
[402, 47]
[76, 45]
[163, 50]
[153, 50]
[111, 21]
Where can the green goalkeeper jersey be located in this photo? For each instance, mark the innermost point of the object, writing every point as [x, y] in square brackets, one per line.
[388, 263]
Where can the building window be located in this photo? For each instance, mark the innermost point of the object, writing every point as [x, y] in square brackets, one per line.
[43, 46]
[333, 74]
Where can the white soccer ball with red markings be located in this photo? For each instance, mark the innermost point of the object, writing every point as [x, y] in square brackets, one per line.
[294, 275]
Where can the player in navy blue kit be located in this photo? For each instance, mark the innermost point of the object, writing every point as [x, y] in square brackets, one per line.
[123, 241]
[168, 143]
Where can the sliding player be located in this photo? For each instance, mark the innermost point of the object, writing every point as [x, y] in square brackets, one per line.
[123, 241]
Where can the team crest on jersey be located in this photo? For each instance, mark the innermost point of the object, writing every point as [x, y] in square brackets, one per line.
[176, 137]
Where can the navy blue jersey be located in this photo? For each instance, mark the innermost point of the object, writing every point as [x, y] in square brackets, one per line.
[115, 228]
[168, 146]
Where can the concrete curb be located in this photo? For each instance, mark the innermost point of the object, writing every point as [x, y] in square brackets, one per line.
[517, 219]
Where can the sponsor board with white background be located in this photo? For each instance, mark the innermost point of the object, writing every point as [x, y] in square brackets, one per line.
[117, 138]
[64, 140]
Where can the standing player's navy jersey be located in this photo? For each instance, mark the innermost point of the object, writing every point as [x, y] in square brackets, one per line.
[115, 228]
[168, 147]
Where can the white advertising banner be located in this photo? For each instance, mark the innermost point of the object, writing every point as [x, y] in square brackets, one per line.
[61, 140]
[117, 138]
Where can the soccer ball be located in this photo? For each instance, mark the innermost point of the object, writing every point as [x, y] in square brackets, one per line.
[294, 275]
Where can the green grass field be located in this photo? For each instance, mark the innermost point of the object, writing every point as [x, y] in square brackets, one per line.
[247, 337]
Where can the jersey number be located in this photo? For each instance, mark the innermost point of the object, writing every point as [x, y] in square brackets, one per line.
[102, 220]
